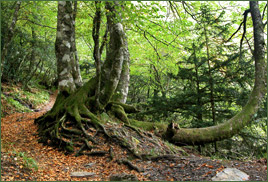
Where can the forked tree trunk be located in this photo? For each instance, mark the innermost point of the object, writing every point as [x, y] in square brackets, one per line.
[74, 112]
[235, 124]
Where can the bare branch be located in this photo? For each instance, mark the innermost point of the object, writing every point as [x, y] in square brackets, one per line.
[174, 8]
[162, 41]
[144, 33]
[185, 4]
[242, 23]
[104, 40]
[37, 23]
[249, 45]
[264, 11]
[245, 28]
[235, 31]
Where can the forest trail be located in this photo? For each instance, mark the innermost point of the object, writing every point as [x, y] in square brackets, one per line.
[19, 134]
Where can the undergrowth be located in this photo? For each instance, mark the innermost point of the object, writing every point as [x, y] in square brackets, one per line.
[15, 99]
[26, 161]
[21, 158]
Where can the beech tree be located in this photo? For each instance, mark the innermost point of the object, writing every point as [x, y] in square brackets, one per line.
[74, 111]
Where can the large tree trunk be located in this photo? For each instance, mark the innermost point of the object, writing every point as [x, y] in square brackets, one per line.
[63, 48]
[235, 124]
[69, 77]
[121, 91]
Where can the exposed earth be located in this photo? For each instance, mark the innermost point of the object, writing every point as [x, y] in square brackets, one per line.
[18, 136]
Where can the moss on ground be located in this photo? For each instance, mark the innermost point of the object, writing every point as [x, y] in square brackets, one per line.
[15, 99]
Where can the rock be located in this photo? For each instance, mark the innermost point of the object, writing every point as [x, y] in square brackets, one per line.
[89, 165]
[82, 174]
[123, 177]
[231, 174]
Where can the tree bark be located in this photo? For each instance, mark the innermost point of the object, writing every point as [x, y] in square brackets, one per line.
[121, 91]
[241, 119]
[76, 69]
[117, 54]
[96, 52]
[64, 49]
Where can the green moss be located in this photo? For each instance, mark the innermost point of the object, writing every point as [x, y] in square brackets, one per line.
[18, 107]
[120, 113]
[148, 126]
[32, 99]
[69, 148]
[175, 149]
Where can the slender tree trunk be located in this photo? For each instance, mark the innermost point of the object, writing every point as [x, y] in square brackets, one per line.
[211, 85]
[76, 69]
[198, 92]
[235, 124]
[28, 77]
[96, 52]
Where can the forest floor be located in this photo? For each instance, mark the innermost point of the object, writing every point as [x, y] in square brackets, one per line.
[21, 153]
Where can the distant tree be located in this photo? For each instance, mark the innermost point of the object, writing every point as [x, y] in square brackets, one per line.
[9, 35]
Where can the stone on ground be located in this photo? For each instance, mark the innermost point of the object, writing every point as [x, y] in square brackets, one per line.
[90, 165]
[231, 174]
[82, 174]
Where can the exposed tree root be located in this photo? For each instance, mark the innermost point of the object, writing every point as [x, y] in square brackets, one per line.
[129, 164]
[71, 126]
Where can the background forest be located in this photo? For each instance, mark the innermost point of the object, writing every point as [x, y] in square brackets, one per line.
[190, 62]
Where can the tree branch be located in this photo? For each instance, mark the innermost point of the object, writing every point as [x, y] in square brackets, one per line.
[104, 40]
[144, 33]
[249, 45]
[264, 11]
[37, 23]
[161, 41]
[172, 9]
[242, 23]
[245, 29]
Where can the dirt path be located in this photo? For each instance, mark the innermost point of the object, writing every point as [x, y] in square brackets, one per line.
[19, 134]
